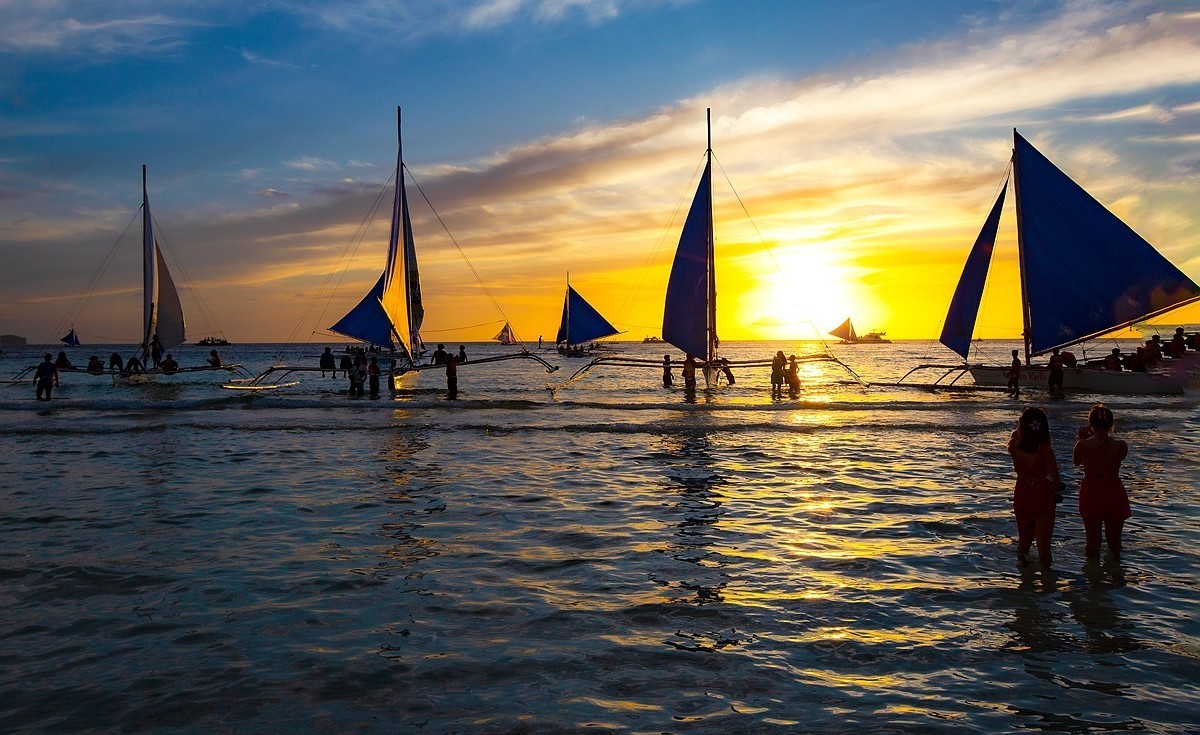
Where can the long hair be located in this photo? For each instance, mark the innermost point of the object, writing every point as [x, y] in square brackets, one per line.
[1035, 429]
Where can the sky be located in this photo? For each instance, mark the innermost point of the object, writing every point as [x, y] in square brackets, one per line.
[858, 146]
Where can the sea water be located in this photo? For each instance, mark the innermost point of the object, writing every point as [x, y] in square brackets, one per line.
[610, 557]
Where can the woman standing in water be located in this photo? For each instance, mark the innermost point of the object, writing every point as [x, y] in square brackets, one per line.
[1037, 482]
[1102, 498]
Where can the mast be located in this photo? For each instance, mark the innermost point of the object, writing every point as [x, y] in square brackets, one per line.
[149, 272]
[1026, 316]
[567, 311]
[711, 262]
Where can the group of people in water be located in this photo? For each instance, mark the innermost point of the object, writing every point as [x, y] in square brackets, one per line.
[360, 369]
[1103, 502]
[46, 374]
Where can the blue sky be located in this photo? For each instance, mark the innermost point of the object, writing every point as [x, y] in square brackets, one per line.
[556, 135]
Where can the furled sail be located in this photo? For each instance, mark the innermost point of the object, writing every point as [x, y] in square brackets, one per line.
[964, 306]
[845, 331]
[162, 312]
[580, 321]
[1085, 272]
[691, 295]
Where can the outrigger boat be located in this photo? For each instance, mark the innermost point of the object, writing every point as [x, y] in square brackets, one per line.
[690, 307]
[581, 323]
[1084, 274]
[845, 332]
[391, 313]
[162, 315]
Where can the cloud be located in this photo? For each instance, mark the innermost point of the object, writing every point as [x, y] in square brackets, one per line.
[80, 27]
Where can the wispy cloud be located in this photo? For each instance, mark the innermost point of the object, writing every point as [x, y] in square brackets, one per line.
[81, 28]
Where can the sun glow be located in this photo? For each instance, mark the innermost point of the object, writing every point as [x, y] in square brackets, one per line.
[804, 294]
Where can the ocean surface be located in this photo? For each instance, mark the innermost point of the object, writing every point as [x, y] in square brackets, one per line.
[610, 557]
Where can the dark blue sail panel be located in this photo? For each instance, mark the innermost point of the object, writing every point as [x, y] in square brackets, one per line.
[685, 315]
[1086, 272]
[964, 306]
[580, 321]
[71, 339]
[367, 321]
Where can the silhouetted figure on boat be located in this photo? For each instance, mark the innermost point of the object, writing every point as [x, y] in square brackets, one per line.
[328, 362]
[95, 365]
[462, 354]
[440, 355]
[63, 362]
[1112, 361]
[1054, 377]
[1014, 374]
[115, 363]
[169, 365]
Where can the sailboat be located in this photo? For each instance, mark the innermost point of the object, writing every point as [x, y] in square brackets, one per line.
[845, 332]
[162, 313]
[71, 339]
[1084, 274]
[506, 335]
[690, 307]
[580, 323]
[392, 312]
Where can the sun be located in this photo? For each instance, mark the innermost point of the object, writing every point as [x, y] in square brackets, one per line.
[804, 294]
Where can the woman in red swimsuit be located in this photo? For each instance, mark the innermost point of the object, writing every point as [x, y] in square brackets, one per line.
[1037, 482]
[1102, 498]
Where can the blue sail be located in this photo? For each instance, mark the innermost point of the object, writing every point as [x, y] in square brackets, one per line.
[686, 315]
[580, 321]
[71, 339]
[368, 321]
[1085, 271]
[964, 306]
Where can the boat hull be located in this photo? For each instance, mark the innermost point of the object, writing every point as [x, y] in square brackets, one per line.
[1173, 380]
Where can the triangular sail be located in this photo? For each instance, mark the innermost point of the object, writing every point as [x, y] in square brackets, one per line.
[687, 314]
[1085, 271]
[506, 335]
[396, 288]
[71, 339]
[170, 311]
[162, 313]
[367, 320]
[845, 331]
[580, 321]
[964, 306]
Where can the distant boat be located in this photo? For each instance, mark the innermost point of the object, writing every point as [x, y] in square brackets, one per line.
[581, 323]
[213, 342]
[651, 340]
[1084, 274]
[71, 339]
[507, 336]
[845, 331]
